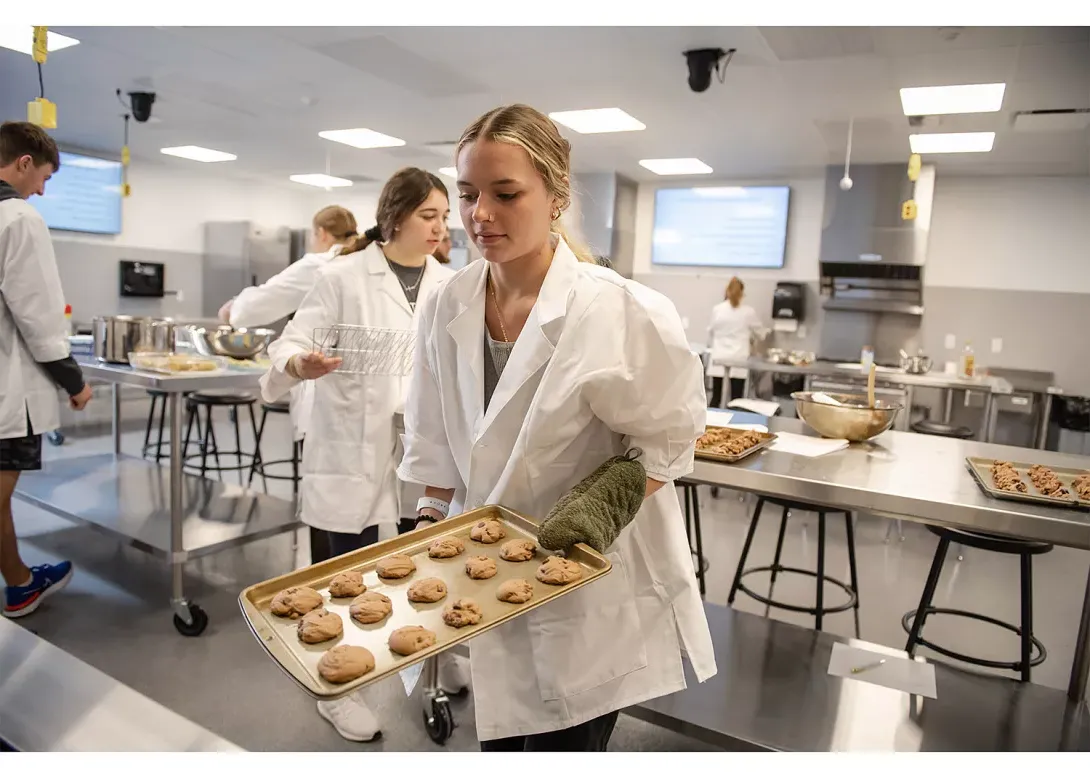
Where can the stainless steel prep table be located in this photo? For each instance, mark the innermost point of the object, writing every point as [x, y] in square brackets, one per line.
[52, 701]
[163, 511]
[773, 692]
[921, 478]
[989, 386]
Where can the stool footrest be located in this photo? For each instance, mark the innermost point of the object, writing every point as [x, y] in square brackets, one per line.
[908, 618]
[812, 610]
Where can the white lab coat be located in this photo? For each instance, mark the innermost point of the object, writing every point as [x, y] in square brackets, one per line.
[602, 364]
[281, 296]
[349, 481]
[32, 324]
[729, 338]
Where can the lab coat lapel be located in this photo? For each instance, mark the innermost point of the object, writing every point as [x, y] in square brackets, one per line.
[537, 341]
[467, 331]
[390, 286]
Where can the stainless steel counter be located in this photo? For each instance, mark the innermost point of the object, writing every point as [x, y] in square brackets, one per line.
[933, 379]
[773, 692]
[162, 511]
[52, 701]
[921, 478]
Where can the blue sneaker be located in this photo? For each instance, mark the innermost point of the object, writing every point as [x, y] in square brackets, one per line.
[47, 579]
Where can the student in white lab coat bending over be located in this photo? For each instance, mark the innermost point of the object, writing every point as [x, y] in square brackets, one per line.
[730, 336]
[533, 367]
[281, 296]
[349, 487]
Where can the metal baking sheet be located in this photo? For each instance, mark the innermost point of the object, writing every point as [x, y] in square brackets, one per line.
[300, 661]
[981, 468]
[767, 439]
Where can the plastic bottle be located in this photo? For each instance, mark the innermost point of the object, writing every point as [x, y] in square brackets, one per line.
[968, 361]
[867, 359]
[68, 319]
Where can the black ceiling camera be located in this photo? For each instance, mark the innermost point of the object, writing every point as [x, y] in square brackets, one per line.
[702, 62]
[141, 105]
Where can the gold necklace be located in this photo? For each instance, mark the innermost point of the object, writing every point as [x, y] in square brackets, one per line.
[499, 312]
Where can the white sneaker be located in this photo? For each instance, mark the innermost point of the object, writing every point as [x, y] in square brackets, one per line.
[351, 717]
[453, 674]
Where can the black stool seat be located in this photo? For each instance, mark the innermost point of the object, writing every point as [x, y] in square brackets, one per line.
[221, 397]
[928, 427]
[1033, 651]
[280, 406]
[819, 608]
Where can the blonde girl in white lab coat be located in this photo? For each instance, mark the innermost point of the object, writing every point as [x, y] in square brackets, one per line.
[349, 487]
[730, 334]
[533, 367]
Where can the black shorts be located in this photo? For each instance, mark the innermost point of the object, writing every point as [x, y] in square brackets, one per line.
[21, 454]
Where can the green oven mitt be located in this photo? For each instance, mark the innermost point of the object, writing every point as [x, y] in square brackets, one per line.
[598, 507]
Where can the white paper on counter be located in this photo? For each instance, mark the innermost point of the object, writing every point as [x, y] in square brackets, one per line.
[899, 673]
[762, 407]
[806, 446]
[410, 676]
[718, 418]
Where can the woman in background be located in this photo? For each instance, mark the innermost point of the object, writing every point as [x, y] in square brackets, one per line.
[350, 487]
[730, 334]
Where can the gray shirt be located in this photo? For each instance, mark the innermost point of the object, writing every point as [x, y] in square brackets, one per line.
[410, 278]
[496, 354]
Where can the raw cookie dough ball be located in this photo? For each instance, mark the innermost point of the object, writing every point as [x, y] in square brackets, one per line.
[427, 590]
[518, 550]
[408, 640]
[342, 664]
[557, 571]
[396, 566]
[480, 567]
[445, 548]
[488, 531]
[295, 602]
[517, 591]
[463, 612]
[348, 584]
[370, 608]
[319, 626]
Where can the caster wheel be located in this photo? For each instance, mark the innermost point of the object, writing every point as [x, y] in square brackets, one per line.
[440, 722]
[56, 438]
[200, 622]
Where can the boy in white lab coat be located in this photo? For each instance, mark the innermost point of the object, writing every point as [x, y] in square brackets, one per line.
[34, 349]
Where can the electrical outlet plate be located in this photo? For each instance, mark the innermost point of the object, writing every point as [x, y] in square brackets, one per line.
[997, 345]
[951, 342]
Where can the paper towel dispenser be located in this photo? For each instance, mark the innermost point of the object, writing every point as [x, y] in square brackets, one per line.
[142, 279]
[789, 301]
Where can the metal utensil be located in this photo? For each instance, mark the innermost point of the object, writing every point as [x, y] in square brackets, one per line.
[226, 341]
[916, 365]
[854, 418]
[869, 666]
[870, 385]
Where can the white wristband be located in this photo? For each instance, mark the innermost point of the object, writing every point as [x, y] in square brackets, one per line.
[435, 504]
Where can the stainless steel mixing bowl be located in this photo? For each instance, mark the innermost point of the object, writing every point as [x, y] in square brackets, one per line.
[226, 341]
[854, 419]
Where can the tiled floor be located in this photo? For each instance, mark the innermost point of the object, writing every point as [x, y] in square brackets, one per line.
[114, 614]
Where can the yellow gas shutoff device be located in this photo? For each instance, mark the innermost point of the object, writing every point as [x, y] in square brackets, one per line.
[40, 111]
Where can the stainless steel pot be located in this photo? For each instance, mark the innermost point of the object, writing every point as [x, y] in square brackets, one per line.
[115, 337]
[916, 365]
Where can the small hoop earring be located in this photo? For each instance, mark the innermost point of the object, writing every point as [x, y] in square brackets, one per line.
[556, 215]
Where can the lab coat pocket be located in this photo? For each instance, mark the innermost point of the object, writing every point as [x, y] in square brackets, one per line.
[588, 638]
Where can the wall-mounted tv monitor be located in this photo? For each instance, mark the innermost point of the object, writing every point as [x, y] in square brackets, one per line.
[721, 226]
[83, 196]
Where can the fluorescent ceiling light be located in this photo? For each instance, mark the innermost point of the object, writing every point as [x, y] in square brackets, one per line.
[199, 154]
[597, 120]
[320, 179]
[361, 138]
[449, 172]
[19, 38]
[676, 167]
[951, 142]
[967, 98]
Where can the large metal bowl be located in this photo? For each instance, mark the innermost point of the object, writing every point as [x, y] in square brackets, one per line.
[854, 419]
[226, 341]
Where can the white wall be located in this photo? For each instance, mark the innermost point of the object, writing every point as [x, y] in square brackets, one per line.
[803, 230]
[1029, 234]
[169, 206]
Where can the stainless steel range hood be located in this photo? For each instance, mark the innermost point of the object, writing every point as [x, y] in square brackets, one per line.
[872, 259]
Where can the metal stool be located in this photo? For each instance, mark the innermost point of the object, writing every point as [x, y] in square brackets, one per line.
[819, 609]
[159, 399]
[692, 519]
[218, 399]
[260, 464]
[1026, 550]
